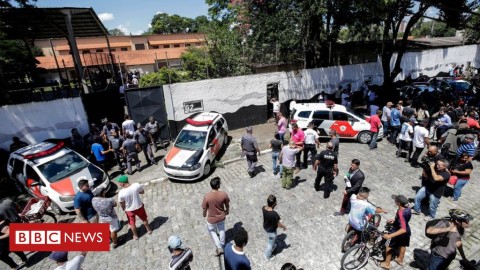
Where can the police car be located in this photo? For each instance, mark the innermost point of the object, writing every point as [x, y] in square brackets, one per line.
[196, 147]
[49, 169]
[347, 123]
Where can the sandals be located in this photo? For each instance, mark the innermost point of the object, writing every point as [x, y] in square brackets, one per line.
[401, 264]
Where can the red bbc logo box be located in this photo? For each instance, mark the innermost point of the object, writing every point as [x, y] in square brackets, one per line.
[59, 237]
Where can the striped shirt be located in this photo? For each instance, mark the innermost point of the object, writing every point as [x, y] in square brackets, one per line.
[468, 148]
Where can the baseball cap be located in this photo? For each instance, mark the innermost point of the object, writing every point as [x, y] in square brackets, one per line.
[59, 256]
[175, 242]
[469, 136]
[123, 179]
[413, 120]
[400, 199]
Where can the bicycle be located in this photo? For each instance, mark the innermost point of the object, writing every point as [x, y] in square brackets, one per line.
[372, 245]
[35, 211]
[352, 235]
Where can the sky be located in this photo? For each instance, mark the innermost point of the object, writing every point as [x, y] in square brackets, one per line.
[132, 16]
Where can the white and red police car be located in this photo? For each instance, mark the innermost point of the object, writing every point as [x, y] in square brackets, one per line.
[49, 169]
[196, 147]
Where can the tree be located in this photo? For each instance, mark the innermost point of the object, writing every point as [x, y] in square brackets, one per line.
[198, 63]
[163, 76]
[472, 34]
[116, 32]
[432, 29]
[164, 23]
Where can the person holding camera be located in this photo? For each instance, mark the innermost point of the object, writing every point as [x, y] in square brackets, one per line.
[433, 155]
[433, 188]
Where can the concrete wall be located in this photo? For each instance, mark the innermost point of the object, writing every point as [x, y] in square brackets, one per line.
[243, 99]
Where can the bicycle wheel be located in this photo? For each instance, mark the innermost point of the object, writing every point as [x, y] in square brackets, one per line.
[375, 220]
[355, 258]
[49, 217]
[349, 240]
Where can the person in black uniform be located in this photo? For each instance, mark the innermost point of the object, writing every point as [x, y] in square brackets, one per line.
[326, 165]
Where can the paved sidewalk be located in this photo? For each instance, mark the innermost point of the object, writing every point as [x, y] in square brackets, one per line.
[313, 238]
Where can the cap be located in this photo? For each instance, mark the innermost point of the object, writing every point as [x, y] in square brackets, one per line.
[413, 120]
[123, 179]
[469, 136]
[59, 256]
[400, 199]
[175, 242]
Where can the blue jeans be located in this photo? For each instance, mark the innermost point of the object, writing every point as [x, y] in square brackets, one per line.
[373, 141]
[282, 136]
[385, 128]
[272, 237]
[439, 263]
[457, 190]
[433, 201]
[274, 161]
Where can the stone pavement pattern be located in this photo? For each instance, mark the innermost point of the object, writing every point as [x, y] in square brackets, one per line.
[313, 238]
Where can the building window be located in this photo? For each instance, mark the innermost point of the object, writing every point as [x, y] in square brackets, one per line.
[85, 51]
[113, 49]
[188, 45]
[154, 47]
[139, 46]
[166, 46]
[176, 45]
[99, 50]
[123, 49]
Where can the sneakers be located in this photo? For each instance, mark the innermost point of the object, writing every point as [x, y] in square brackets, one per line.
[340, 213]
[414, 212]
[269, 259]
[428, 218]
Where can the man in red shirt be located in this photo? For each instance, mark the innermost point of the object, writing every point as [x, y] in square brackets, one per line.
[471, 122]
[375, 125]
[298, 136]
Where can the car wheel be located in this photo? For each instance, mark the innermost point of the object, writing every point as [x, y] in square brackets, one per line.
[364, 137]
[56, 209]
[206, 169]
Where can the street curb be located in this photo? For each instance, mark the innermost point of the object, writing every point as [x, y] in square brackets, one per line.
[240, 158]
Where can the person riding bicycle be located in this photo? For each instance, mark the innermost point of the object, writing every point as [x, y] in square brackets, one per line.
[361, 209]
[449, 238]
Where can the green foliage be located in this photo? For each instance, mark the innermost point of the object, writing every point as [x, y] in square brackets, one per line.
[116, 32]
[19, 3]
[432, 29]
[163, 76]
[198, 63]
[473, 24]
[15, 60]
[164, 23]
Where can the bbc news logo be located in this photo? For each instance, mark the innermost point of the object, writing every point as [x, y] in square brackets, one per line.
[59, 237]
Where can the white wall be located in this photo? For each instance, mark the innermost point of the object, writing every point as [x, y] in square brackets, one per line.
[38, 121]
[228, 95]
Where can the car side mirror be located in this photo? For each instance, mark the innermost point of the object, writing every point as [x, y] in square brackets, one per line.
[211, 145]
[36, 183]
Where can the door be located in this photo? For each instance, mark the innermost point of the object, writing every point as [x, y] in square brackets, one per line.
[343, 125]
[272, 92]
[321, 120]
[33, 182]
[213, 143]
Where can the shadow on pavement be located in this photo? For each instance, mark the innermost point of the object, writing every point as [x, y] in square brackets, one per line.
[37, 257]
[421, 259]
[230, 232]
[281, 244]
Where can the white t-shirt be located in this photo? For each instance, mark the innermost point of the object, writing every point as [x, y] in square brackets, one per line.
[405, 136]
[310, 136]
[386, 113]
[131, 197]
[73, 264]
[129, 125]
[359, 210]
[419, 135]
[288, 156]
[292, 104]
[276, 106]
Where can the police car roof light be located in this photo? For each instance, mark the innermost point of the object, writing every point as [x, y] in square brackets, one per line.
[199, 123]
[47, 152]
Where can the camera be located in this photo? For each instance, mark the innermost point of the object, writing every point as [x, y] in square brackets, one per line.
[425, 162]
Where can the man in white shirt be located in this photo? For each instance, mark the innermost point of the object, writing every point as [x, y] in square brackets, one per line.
[61, 258]
[276, 107]
[310, 144]
[405, 138]
[131, 202]
[420, 141]
[128, 125]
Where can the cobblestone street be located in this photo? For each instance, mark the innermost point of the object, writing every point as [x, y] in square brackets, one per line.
[314, 236]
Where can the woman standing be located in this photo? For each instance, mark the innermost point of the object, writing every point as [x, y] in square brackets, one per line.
[282, 126]
[462, 170]
[5, 246]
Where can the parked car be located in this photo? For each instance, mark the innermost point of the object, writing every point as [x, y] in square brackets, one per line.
[460, 86]
[48, 169]
[347, 123]
[416, 89]
[196, 147]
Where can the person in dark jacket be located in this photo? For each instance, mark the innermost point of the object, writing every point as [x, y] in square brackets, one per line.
[353, 182]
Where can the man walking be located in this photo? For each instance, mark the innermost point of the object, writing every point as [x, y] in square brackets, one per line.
[311, 144]
[298, 137]
[334, 140]
[326, 166]
[433, 188]
[420, 141]
[83, 202]
[287, 159]
[386, 113]
[215, 208]
[181, 257]
[153, 129]
[131, 202]
[116, 143]
[353, 182]
[250, 149]
[105, 208]
[142, 138]
[375, 125]
[395, 123]
[271, 221]
[235, 258]
[129, 148]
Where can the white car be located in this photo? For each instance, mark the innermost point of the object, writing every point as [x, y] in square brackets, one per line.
[48, 169]
[196, 147]
[347, 123]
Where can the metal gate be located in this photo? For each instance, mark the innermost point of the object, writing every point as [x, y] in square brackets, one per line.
[145, 102]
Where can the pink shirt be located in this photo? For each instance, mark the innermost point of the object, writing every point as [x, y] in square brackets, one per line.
[472, 123]
[298, 137]
[375, 123]
[282, 125]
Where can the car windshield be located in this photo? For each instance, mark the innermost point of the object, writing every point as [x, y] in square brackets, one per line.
[191, 139]
[356, 113]
[62, 167]
[461, 86]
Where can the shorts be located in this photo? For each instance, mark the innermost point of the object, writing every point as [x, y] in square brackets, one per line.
[114, 225]
[400, 241]
[140, 212]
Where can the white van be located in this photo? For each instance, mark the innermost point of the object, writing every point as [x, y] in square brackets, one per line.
[347, 123]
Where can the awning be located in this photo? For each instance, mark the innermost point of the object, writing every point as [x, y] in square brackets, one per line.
[180, 41]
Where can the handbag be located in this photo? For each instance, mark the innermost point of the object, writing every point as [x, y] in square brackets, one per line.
[453, 180]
